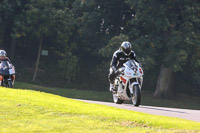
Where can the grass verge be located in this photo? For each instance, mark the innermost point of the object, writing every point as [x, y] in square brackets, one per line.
[33, 111]
[179, 101]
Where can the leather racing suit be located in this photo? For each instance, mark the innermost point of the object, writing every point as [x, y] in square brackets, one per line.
[118, 59]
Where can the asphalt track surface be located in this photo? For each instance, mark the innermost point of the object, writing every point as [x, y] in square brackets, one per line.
[188, 114]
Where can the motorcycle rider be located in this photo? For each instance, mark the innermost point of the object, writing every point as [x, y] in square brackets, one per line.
[123, 54]
[3, 56]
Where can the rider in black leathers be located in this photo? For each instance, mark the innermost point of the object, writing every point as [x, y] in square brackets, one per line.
[119, 58]
[3, 56]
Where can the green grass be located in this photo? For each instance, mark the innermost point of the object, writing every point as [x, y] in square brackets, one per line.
[33, 111]
[179, 101]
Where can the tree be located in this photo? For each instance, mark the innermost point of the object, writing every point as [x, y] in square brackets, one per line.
[46, 18]
[97, 22]
[10, 17]
[163, 26]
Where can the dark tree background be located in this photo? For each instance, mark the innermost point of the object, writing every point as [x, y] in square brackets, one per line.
[81, 36]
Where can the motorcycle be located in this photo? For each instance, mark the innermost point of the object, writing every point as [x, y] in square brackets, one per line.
[7, 74]
[128, 83]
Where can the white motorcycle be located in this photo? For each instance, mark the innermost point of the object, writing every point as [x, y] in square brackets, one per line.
[128, 83]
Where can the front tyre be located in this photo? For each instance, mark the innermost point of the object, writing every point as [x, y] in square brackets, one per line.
[10, 85]
[116, 99]
[136, 96]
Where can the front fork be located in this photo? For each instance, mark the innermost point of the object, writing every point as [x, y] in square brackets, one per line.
[12, 79]
[138, 81]
[2, 80]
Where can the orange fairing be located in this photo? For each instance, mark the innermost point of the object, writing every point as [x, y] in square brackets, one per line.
[124, 80]
[1, 78]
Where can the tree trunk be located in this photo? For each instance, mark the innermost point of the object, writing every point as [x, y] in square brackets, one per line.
[164, 88]
[12, 49]
[38, 59]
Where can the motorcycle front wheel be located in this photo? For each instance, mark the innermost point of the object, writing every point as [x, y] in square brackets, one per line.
[116, 99]
[136, 96]
[10, 84]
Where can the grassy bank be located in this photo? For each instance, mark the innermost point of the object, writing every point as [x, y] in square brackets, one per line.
[33, 111]
[180, 101]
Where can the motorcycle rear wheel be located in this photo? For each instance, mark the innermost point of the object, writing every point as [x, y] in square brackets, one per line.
[116, 99]
[136, 97]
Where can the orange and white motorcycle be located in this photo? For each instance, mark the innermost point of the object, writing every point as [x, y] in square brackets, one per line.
[128, 83]
[7, 74]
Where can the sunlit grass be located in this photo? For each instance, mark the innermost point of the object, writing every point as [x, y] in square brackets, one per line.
[147, 97]
[32, 111]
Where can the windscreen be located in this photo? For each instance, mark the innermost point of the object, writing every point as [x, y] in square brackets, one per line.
[4, 68]
[131, 64]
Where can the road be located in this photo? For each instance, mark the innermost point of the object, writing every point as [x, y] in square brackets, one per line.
[188, 114]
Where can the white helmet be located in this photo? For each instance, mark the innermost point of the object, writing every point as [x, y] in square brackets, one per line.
[3, 53]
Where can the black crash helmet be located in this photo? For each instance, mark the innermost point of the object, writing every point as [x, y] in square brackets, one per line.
[126, 48]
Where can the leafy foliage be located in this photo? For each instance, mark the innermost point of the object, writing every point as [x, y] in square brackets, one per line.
[113, 45]
[81, 37]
